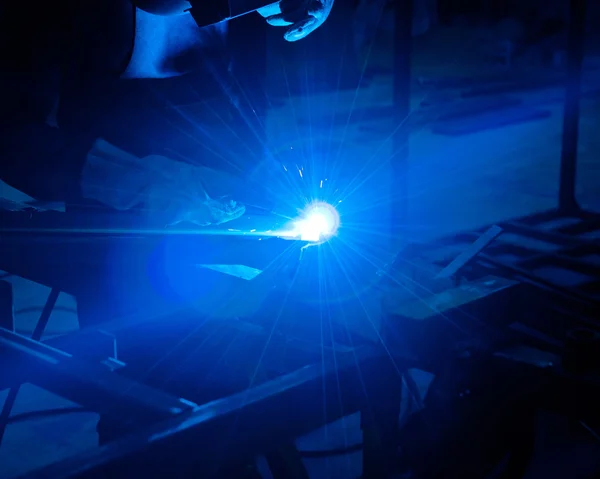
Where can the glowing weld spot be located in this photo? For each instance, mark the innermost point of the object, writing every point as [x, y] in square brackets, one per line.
[318, 222]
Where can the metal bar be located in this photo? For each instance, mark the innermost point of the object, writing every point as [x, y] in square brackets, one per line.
[37, 254]
[501, 249]
[567, 201]
[547, 236]
[93, 386]
[86, 345]
[523, 225]
[7, 407]
[239, 426]
[538, 218]
[585, 226]
[7, 310]
[376, 427]
[546, 216]
[467, 255]
[562, 261]
[38, 332]
[528, 277]
[530, 255]
[42, 323]
[74, 222]
[121, 225]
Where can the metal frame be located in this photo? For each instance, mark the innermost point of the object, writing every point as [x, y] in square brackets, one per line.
[161, 421]
[38, 332]
[538, 250]
[528, 244]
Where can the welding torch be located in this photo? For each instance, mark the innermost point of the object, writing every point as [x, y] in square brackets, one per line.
[208, 12]
[204, 12]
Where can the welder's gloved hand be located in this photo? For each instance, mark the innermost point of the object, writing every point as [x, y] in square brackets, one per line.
[171, 191]
[302, 17]
[207, 212]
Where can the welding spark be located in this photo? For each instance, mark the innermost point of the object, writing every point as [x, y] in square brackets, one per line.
[317, 223]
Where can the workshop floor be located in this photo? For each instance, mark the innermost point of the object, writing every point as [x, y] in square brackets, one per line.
[456, 183]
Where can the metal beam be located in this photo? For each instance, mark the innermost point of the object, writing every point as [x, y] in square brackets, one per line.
[94, 386]
[567, 201]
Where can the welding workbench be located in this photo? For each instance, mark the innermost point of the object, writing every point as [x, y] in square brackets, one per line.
[73, 253]
[341, 378]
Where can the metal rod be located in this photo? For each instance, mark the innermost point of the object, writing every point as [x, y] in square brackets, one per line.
[42, 323]
[567, 201]
[548, 236]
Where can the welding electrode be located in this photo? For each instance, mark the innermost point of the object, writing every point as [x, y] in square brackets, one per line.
[204, 12]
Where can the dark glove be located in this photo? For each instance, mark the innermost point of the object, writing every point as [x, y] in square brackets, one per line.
[301, 16]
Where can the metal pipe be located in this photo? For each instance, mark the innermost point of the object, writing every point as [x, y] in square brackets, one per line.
[567, 201]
